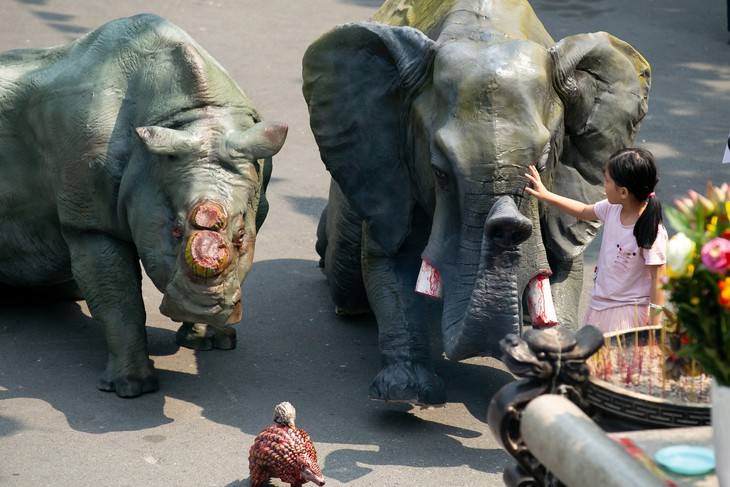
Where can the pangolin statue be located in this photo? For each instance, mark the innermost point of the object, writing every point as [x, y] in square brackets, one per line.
[284, 451]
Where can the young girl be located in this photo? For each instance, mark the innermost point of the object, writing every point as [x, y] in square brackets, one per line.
[632, 258]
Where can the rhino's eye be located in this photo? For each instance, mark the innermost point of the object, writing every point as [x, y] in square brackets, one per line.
[177, 232]
[239, 241]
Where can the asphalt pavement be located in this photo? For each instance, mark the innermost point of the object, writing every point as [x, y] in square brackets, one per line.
[57, 429]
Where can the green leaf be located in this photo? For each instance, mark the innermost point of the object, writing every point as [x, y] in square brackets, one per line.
[678, 221]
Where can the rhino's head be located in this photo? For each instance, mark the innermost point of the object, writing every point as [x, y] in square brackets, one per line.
[196, 231]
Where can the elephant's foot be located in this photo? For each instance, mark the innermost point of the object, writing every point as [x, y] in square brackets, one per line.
[126, 382]
[198, 336]
[410, 382]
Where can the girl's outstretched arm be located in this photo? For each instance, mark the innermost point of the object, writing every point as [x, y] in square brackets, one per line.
[569, 206]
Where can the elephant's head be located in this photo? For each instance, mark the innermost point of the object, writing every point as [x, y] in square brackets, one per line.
[451, 126]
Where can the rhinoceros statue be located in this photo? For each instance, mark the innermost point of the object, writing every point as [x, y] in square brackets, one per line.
[132, 144]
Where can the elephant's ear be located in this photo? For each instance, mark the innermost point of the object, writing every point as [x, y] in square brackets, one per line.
[358, 79]
[604, 85]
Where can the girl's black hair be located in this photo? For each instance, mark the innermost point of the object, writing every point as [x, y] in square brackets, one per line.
[635, 170]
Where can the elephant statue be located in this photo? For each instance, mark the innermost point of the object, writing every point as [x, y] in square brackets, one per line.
[427, 117]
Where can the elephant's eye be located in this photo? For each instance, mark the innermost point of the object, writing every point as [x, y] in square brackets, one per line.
[439, 173]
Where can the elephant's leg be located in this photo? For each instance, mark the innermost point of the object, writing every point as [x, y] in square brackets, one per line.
[404, 319]
[199, 336]
[108, 273]
[339, 242]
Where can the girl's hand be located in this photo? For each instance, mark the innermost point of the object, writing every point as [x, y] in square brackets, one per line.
[537, 190]
[570, 206]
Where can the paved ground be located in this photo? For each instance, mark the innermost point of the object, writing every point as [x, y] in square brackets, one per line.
[56, 429]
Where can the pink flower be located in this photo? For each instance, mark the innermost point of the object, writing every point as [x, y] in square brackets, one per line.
[716, 255]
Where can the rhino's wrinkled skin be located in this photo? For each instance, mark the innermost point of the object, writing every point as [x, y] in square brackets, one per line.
[131, 144]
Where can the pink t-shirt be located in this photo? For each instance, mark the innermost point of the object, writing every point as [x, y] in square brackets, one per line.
[621, 276]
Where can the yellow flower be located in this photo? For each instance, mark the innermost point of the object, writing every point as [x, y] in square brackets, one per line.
[712, 226]
[694, 301]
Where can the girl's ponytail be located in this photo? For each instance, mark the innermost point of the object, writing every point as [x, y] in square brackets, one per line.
[647, 226]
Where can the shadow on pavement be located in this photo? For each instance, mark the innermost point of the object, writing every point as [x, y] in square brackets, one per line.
[321, 363]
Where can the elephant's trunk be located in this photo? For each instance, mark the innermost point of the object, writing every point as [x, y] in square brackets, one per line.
[483, 305]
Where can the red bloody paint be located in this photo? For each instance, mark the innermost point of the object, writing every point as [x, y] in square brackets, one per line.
[536, 302]
[429, 281]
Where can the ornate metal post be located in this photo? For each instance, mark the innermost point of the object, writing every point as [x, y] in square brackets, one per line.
[549, 361]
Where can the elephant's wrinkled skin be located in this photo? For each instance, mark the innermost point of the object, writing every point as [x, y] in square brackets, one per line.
[132, 144]
[427, 118]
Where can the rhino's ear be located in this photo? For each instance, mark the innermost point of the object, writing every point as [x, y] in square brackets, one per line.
[261, 141]
[162, 141]
[604, 85]
[358, 80]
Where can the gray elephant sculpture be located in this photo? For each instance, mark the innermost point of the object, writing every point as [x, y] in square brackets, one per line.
[132, 143]
[427, 117]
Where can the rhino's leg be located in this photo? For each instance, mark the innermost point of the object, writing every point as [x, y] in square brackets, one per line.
[198, 336]
[108, 273]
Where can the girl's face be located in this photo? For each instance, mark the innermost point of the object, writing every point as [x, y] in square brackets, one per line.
[613, 192]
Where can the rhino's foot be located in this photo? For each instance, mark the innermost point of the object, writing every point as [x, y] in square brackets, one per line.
[410, 382]
[129, 384]
[206, 337]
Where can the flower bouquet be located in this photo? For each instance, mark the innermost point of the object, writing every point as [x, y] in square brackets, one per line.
[698, 278]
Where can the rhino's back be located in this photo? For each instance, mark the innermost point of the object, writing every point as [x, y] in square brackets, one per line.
[67, 118]
[26, 71]
[465, 18]
[57, 101]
